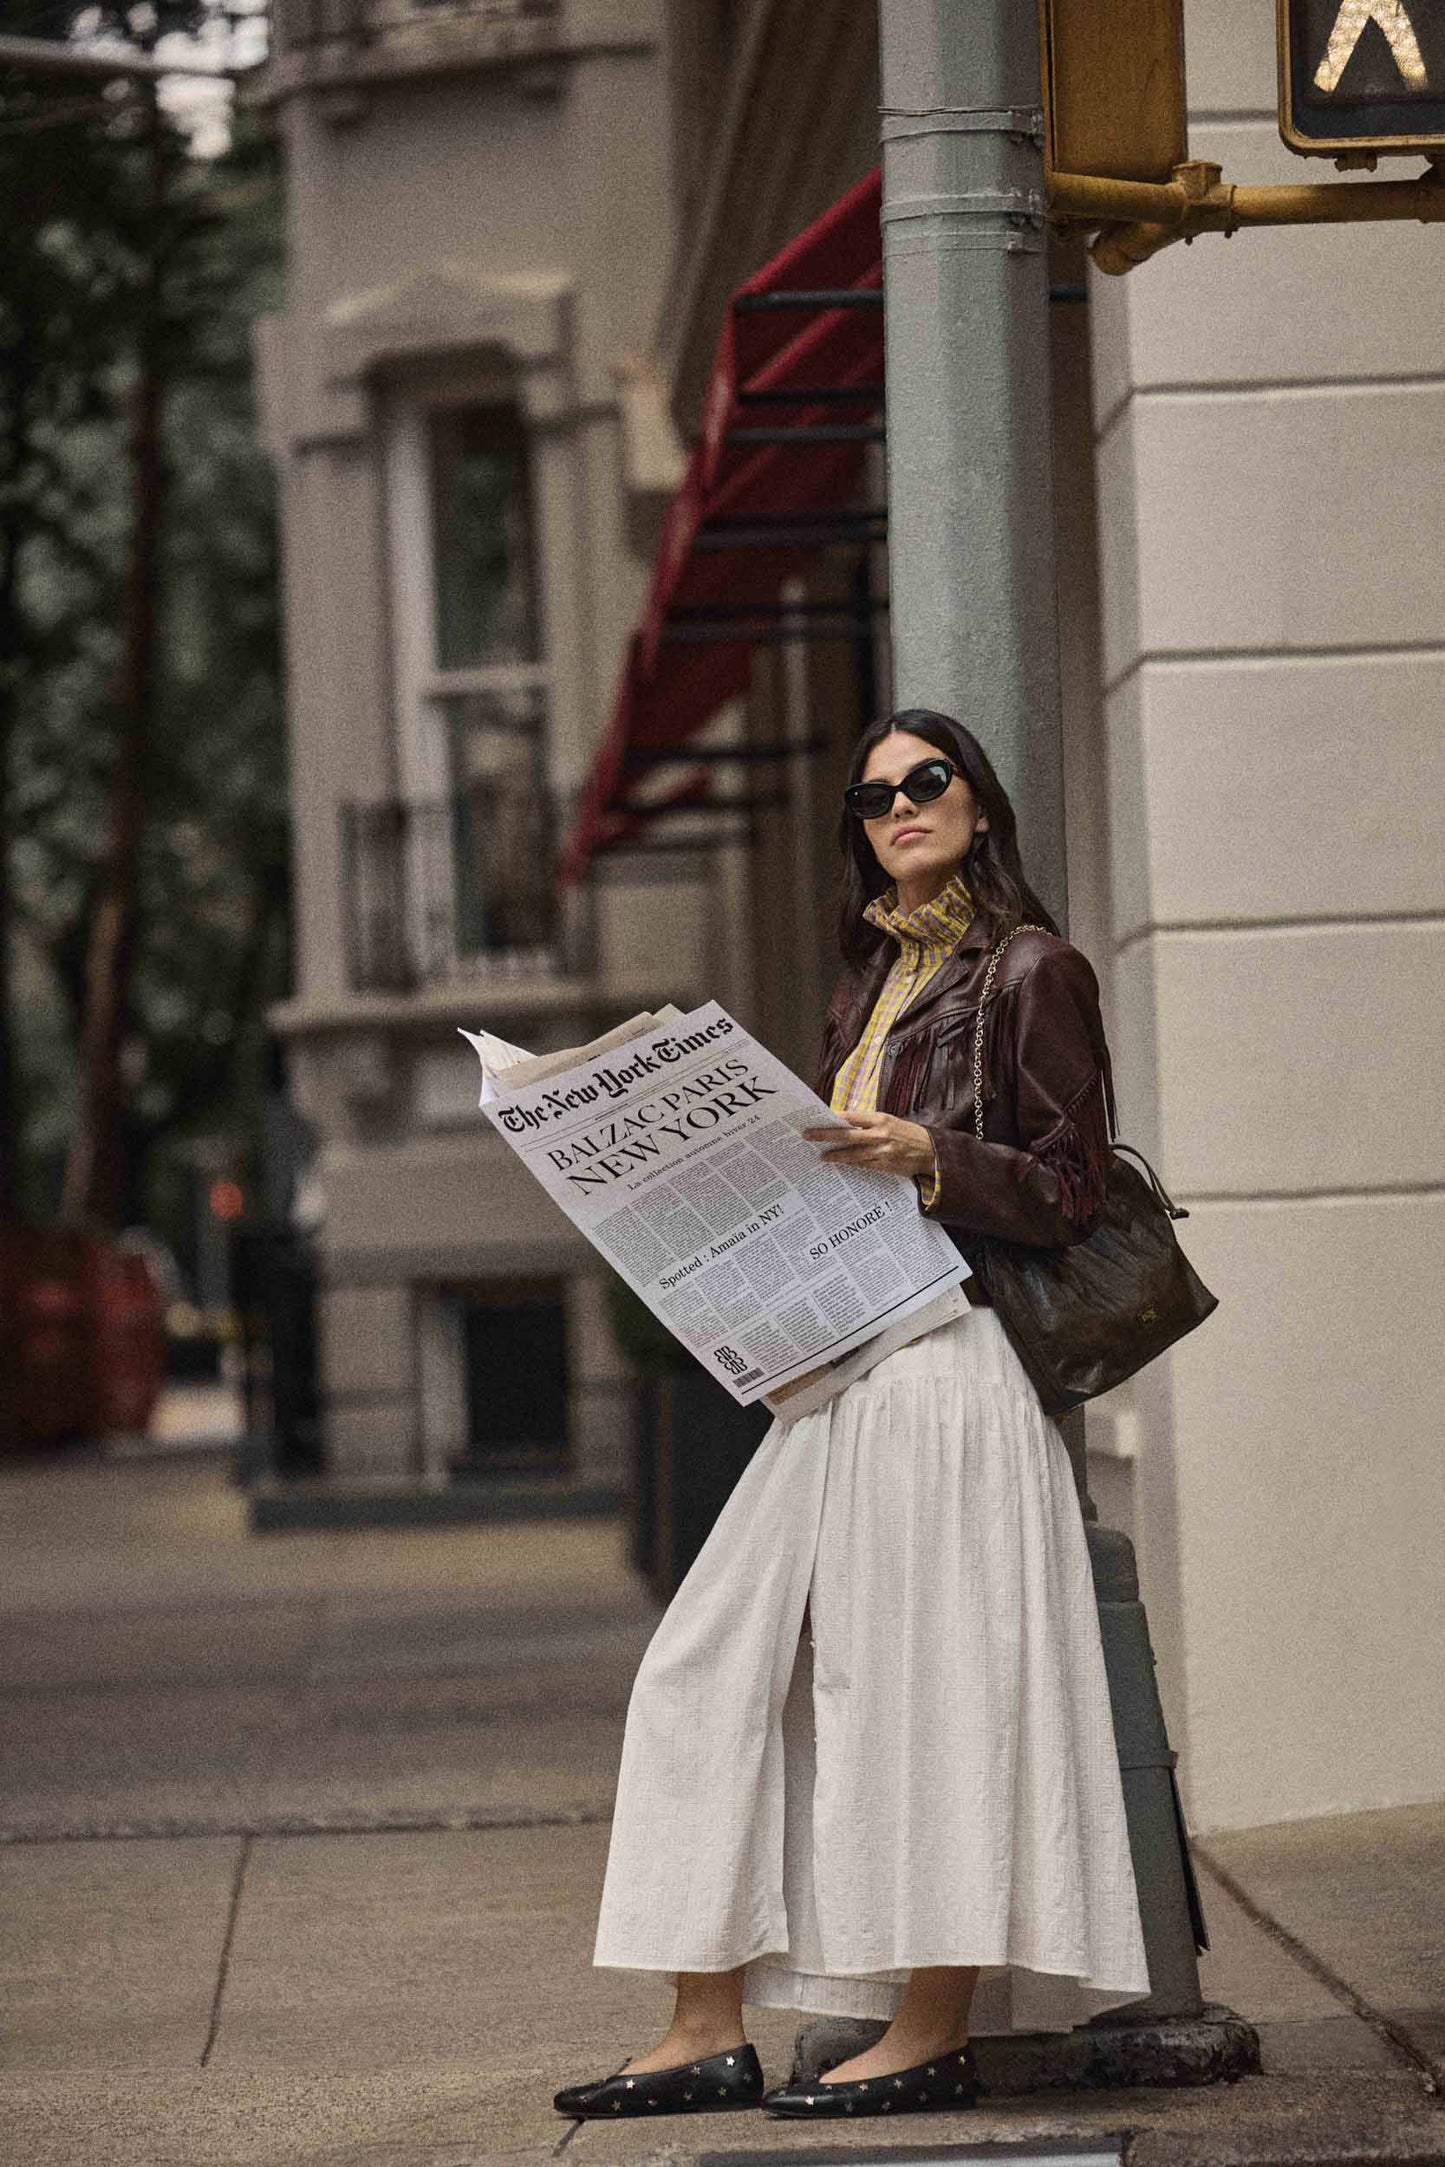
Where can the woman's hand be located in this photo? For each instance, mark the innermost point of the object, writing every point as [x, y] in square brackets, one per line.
[883, 1141]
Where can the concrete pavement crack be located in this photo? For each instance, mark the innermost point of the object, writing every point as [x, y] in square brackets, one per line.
[1398, 2040]
[238, 1884]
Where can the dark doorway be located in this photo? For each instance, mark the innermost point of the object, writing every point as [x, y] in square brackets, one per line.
[514, 1347]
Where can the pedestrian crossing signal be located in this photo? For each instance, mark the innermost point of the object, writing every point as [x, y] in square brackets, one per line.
[1361, 79]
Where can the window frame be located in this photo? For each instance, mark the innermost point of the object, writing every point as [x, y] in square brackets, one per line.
[422, 688]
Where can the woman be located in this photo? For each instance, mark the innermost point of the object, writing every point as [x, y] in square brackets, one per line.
[869, 1766]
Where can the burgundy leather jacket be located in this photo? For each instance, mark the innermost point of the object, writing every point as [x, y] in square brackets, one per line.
[1037, 1175]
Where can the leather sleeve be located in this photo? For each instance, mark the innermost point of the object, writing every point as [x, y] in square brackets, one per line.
[1048, 1189]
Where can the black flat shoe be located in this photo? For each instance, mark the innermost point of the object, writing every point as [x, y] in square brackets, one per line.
[949, 2080]
[712, 2086]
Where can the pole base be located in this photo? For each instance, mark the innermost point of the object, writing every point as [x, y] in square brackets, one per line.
[1111, 2053]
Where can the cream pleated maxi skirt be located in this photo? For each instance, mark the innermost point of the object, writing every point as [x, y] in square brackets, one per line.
[872, 1729]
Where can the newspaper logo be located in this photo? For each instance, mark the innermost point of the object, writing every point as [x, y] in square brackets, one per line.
[735, 1364]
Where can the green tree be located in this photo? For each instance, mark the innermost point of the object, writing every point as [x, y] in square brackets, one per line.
[146, 795]
[214, 892]
[61, 301]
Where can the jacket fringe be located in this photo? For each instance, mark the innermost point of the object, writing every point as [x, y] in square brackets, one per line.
[1076, 1152]
[996, 1041]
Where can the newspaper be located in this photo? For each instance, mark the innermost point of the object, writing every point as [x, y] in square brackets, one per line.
[674, 1145]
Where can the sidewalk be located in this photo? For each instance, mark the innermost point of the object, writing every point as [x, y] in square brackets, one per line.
[304, 1841]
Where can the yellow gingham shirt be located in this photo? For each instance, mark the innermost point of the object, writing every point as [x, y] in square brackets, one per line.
[926, 938]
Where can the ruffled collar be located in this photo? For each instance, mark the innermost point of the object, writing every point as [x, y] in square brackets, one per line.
[940, 924]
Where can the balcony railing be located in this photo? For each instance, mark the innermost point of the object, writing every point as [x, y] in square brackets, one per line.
[500, 15]
[519, 25]
[442, 891]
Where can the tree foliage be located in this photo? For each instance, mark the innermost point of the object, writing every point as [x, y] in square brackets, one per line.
[97, 246]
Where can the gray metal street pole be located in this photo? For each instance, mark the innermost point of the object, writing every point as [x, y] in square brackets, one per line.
[970, 486]
[970, 454]
[975, 633]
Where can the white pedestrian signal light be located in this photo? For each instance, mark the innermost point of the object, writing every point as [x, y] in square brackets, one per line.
[1353, 20]
[1360, 79]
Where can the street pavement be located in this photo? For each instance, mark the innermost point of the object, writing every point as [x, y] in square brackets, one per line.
[301, 1840]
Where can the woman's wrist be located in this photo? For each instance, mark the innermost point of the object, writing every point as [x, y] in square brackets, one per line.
[925, 1158]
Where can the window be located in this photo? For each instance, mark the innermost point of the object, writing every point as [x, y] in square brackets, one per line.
[514, 1352]
[482, 546]
[503, 841]
[475, 833]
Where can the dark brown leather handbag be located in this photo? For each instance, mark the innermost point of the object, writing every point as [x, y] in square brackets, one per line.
[1083, 1318]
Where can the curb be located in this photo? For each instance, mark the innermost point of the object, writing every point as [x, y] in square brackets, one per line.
[296, 1508]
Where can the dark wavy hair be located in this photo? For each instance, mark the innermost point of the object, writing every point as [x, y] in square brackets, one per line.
[992, 869]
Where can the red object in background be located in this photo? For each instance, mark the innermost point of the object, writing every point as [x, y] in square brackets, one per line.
[44, 1365]
[667, 692]
[227, 1199]
[82, 1338]
[126, 1328]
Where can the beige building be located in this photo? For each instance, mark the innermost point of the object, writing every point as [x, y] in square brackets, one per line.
[1269, 424]
[478, 234]
[514, 232]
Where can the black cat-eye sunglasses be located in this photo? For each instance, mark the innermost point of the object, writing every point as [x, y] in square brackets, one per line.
[921, 785]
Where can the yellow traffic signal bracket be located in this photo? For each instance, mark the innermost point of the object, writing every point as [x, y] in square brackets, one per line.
[1135, 219]
[1116, 146]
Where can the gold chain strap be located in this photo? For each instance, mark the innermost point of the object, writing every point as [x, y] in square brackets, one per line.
[993, 963]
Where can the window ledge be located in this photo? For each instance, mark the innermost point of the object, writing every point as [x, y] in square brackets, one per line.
[460, 1001]
[533, 46]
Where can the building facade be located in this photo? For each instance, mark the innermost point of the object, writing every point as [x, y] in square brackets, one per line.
[1269, 433]
[514, 233]
[479, 222]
